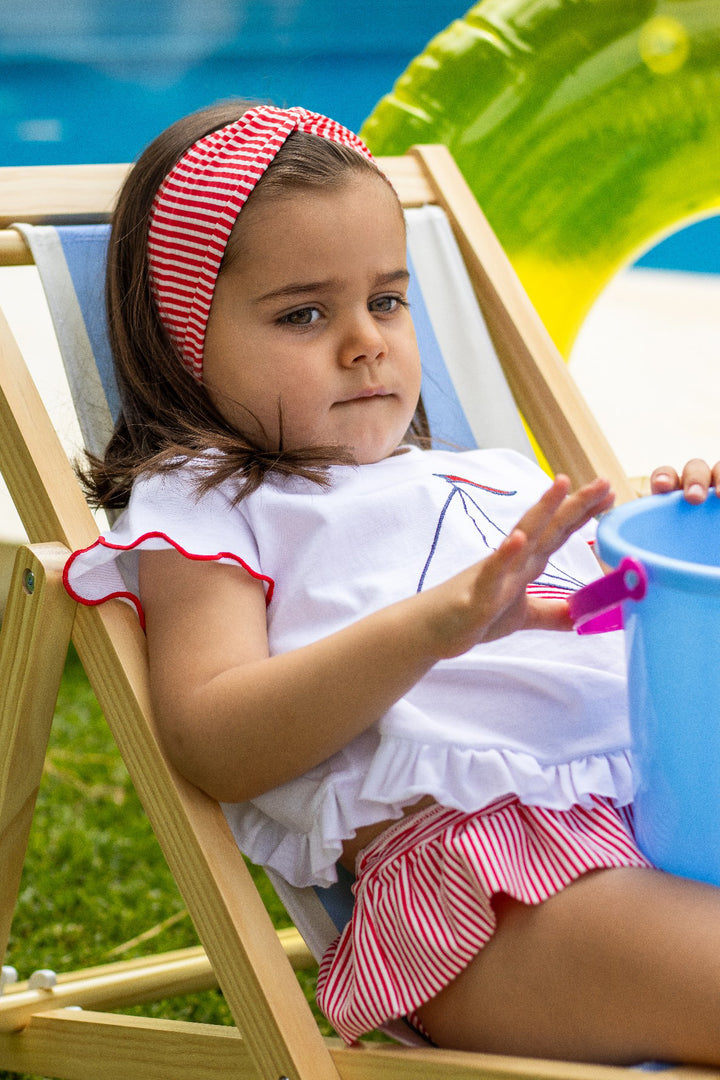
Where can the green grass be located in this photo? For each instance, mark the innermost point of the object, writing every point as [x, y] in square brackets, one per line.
[94, 877]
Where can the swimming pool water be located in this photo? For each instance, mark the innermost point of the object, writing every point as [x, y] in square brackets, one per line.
[95, 80]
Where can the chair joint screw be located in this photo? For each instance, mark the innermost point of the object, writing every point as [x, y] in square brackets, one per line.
[29, 582]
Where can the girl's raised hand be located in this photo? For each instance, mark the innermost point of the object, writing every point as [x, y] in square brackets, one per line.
[696, 480]
[494, 600]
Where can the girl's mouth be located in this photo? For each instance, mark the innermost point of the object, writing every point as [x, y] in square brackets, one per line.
[370, 392]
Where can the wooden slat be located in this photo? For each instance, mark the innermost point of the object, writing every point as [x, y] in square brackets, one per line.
[13, 249]
[35, 636]
[131, 982]
[112, 990]
[38, 194]
[375, 1061]
[74, 193]
[85, 1045]
[58, 193]
[409, 180]
[190, 954]
[544, 390]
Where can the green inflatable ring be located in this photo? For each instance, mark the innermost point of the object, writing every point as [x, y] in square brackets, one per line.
[587, 129]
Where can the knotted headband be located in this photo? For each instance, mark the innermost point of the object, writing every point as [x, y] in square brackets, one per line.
[197, 205]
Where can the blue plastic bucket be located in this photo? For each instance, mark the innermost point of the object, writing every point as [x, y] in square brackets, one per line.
[673, 653]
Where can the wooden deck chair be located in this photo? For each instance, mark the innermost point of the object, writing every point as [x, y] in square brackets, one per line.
[454, 253]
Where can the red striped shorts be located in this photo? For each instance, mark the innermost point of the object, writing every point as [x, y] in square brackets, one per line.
[423, 897]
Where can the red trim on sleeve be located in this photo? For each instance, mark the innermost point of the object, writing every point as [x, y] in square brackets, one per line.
[135, 600]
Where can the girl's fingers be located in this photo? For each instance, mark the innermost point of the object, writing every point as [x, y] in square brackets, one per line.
[501, 601]
[696, 480]
[548, 615]
[664, 479]
[557, 514]
[550, 522]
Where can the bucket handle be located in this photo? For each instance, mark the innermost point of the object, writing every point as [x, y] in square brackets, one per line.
[596, 608]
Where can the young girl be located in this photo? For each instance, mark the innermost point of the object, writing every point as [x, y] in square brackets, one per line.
[353, 646]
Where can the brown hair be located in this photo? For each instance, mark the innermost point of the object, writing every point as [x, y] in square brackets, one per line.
[167, 416]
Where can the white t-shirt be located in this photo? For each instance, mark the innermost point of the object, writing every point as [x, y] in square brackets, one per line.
[539, 714]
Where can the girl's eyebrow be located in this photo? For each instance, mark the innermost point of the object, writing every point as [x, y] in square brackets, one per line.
[305, 287]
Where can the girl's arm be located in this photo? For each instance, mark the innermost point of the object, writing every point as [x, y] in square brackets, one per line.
[238, 722]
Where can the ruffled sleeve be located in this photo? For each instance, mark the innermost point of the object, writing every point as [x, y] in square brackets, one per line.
[164, 511]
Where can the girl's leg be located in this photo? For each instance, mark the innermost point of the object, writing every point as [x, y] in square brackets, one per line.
[620, 967]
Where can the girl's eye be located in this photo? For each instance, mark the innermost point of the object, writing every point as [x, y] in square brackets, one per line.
[301, 317]
[387, 304]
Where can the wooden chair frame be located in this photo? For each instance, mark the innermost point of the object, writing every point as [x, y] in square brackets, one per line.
[276, 1036]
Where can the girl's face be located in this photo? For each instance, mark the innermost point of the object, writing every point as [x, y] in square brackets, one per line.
[309, 313]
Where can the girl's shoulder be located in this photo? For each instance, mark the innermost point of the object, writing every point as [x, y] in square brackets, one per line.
[183, 481]
[177, 502]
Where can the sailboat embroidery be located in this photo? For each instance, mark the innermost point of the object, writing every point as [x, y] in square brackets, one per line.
[465, 497]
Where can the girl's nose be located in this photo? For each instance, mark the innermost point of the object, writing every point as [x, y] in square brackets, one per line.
[362, 341]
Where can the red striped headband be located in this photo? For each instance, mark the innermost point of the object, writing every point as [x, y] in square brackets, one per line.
[197, 205]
